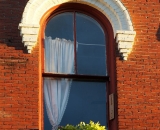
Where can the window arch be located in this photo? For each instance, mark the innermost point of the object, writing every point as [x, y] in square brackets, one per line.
[114, 10]
[109, 42]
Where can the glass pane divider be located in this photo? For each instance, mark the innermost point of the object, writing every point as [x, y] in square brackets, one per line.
[77, 76]
[75, 42]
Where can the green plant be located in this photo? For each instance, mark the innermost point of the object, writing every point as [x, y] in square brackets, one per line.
[84, 126]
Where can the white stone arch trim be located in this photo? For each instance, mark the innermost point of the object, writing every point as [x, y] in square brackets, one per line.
[114, 10]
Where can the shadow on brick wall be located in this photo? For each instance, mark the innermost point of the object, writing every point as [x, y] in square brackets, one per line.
[16, 43]
[158, 33]
[10, 17]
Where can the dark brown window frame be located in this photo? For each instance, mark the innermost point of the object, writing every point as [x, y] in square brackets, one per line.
[77, 77]
[110, 48]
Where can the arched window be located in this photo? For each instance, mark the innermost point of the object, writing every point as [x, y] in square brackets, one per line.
[78, 63]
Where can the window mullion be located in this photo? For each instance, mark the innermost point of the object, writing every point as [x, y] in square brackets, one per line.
[75, 42]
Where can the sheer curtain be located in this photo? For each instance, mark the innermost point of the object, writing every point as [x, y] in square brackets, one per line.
[59, 58]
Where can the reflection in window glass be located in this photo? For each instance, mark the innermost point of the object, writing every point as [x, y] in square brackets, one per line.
[87, 102]
[60, 26]
[91, 55]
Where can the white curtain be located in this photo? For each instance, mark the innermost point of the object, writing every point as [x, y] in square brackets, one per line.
[59, 58]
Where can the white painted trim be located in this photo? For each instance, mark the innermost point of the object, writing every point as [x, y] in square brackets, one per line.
[114, 10]
[125, 40]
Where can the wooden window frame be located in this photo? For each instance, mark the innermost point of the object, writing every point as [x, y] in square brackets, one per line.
[110, 54]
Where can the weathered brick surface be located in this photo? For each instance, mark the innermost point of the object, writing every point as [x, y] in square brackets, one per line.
[138, 78]
[18, 72]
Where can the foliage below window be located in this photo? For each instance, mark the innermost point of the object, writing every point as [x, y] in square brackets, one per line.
[83, 126]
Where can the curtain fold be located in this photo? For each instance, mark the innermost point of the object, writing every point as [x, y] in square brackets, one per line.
[59, 58]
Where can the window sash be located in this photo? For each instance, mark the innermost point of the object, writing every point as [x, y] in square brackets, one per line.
[77, 77]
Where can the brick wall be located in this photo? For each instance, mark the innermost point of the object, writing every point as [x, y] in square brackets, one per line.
[138, 78]
[18, 72]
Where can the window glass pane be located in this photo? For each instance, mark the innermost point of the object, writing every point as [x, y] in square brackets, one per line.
[47, 125]
[59, 49]
[60, 26]
[91, 54]
[87, 101]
